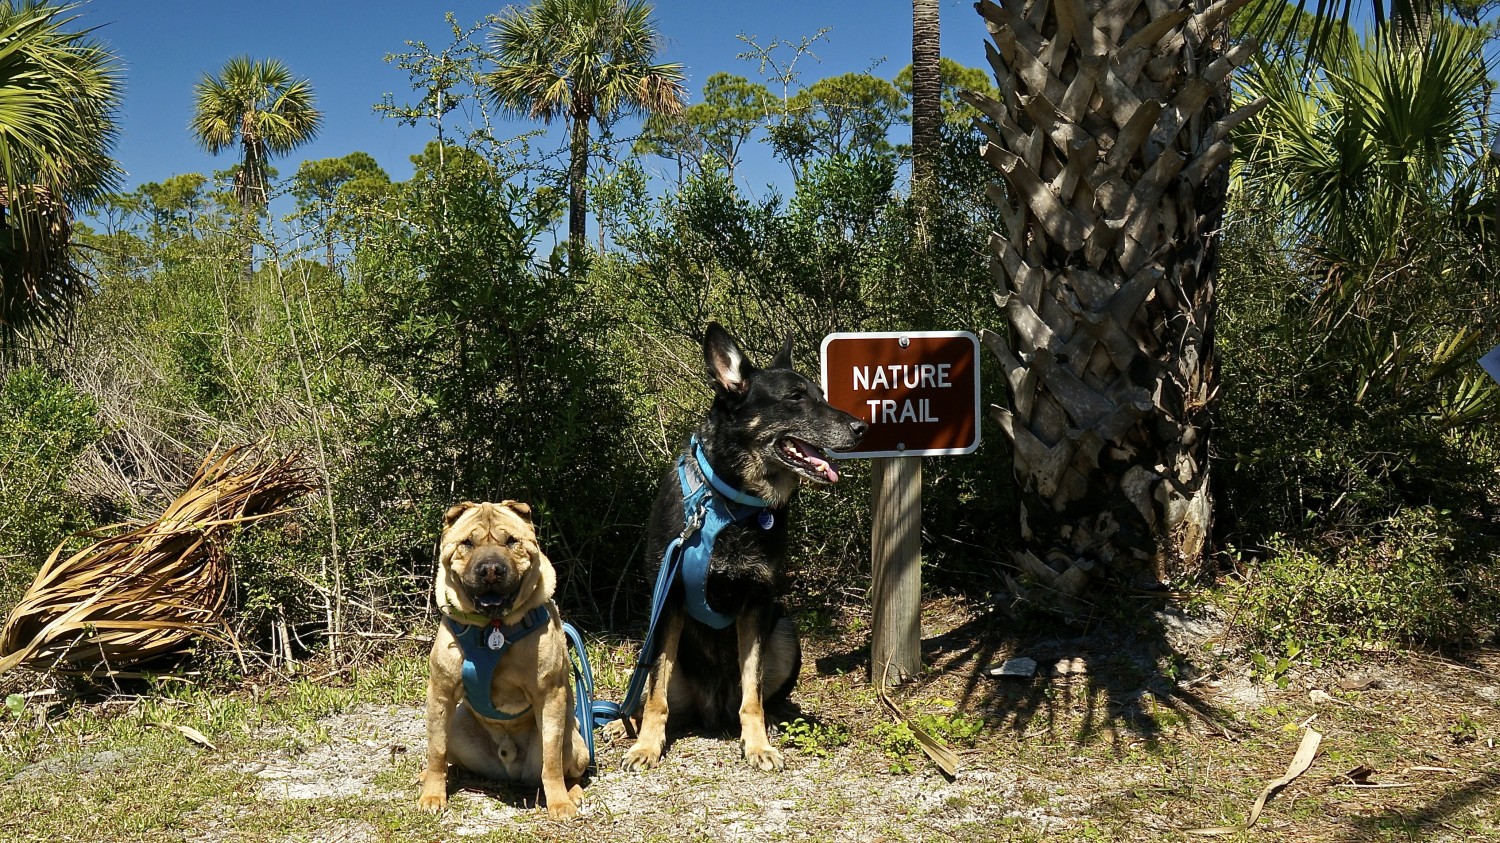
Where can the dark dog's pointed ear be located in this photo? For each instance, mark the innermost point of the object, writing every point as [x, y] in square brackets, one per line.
[784, 357]
[456, 510]
[726, 363]
[520, 508]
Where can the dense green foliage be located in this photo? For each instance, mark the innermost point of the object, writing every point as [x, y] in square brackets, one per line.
[424, 342]
[1359, 435]
[45, 427]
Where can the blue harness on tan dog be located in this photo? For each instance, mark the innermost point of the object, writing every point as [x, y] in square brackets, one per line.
[483, 646]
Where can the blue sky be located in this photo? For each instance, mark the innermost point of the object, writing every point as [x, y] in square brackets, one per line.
[340, 45]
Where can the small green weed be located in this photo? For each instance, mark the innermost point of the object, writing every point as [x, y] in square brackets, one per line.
[1275, 672]
[898, 743]
[1464, 730]
[813, 738]
[952, 728]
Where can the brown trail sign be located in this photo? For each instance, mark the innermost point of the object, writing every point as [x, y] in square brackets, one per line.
[919, 390]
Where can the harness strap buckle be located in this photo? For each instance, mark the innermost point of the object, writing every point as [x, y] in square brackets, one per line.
[695, 519]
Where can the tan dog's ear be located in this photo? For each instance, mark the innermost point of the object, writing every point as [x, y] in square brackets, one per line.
[520, 508]
[456, 510]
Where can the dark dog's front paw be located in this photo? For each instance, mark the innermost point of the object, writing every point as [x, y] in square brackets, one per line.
[620, 729]
[641, 758]
[766, 758]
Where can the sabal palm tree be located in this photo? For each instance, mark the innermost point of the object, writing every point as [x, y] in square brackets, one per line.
[1111, 138]
[1378, 171]
[1377, 142]
[263, 110]
[580, 61]
[59, 92]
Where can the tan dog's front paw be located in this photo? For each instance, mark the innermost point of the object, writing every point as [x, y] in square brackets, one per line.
[434, 796]
[433, 803]
[641, 758]
[766, 758]
[562, 809]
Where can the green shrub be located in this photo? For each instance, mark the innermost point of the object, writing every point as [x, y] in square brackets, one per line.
[813, 738]
[45, 426]
[1407, 581]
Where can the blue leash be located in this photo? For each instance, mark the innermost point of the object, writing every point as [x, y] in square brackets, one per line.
[583, 689]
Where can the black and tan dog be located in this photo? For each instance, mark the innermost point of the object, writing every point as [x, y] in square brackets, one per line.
[494, 583]
[766, 430]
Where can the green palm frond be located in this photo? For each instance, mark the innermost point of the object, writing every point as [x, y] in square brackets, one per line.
[560, 58]
[59, 93]
[1369, 143]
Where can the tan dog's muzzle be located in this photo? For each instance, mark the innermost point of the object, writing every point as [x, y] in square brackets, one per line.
[492, 581]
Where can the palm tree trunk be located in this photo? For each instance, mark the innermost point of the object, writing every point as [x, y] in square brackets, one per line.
[926, 96]
[578, 197]
[1111, 143]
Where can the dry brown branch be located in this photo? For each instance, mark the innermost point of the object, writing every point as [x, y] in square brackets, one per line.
[144, 590]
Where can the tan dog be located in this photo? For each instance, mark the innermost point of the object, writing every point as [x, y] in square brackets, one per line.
[490, 569]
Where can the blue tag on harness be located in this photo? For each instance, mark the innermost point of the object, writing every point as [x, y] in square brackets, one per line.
[766, 519]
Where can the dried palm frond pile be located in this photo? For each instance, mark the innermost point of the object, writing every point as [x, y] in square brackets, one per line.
[147, 589]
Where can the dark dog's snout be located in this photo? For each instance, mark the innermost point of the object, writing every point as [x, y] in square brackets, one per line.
[859, 429]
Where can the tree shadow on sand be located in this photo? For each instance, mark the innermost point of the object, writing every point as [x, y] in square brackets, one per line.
[1112, 679]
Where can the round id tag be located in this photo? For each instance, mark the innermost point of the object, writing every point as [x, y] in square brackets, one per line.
[766, 519]
[496, 639]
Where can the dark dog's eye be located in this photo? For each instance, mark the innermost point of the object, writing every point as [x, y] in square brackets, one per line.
[466, 544]
[796, 395]
[512, 541]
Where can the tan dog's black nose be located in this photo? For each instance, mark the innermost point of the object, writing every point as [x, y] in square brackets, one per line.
[491, 568]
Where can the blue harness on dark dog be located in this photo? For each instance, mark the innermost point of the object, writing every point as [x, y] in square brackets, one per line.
[706, 513]
[708, 506]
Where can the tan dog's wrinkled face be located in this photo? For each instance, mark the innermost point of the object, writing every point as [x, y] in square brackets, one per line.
[490, 554]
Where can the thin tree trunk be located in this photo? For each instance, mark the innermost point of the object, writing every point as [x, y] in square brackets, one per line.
[1112, 140]
[578, 171]
[926, 146]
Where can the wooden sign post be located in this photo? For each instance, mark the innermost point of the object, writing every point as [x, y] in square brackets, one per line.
[919, 391]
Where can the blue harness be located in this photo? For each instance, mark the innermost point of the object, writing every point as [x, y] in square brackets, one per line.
[706, 514]
[482, 651]
[483, 646]
[709, 505]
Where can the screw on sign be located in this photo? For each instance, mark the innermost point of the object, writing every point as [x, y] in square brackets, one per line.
[919, 390]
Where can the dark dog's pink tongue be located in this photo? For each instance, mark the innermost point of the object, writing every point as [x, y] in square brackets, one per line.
[825, 466]
[830, 471]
